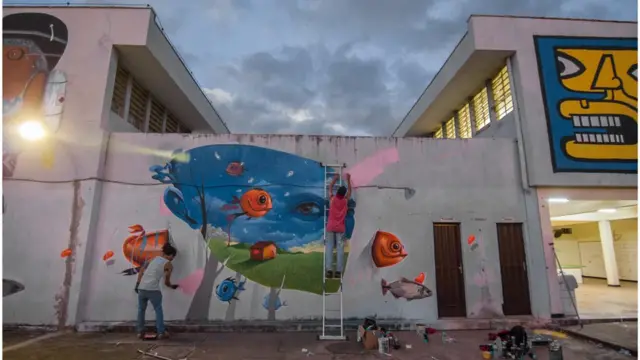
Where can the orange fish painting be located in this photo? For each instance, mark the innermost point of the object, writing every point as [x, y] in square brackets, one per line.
[255, 203]
[387, 249]
[235, 168]
[65, 253]
[108, 255]
[141, 246]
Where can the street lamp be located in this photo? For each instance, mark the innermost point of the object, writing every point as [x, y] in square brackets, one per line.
[32, 130]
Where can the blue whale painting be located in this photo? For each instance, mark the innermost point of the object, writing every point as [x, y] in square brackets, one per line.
[223, 173]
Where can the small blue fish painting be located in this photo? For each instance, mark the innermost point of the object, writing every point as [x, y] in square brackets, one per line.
[228, 290]
[277, 302]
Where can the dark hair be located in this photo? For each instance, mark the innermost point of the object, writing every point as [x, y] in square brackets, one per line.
[169, 250]
[342, 191]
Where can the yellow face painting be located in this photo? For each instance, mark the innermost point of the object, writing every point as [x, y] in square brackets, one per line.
[591, 97]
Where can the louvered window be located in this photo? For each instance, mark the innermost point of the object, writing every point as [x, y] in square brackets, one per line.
[172, 125]
[501, 91]
[156, 117]
[481, 109]
[138, 105]
[438, 133]
[450, 129]
[464, 122]
[119, 92]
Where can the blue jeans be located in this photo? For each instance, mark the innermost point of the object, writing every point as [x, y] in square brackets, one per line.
[337, 240]
[155, 296]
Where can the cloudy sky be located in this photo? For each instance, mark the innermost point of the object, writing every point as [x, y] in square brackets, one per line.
[346, 67]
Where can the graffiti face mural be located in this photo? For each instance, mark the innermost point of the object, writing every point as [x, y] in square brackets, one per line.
[33, 91]
[591, 99]
[266, 208]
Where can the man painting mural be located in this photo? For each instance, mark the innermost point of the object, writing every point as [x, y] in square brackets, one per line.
[33, 91]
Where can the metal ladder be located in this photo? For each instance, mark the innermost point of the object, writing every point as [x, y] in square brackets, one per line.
[330, 331]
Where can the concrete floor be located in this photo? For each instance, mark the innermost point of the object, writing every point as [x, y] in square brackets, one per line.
[622, 334]
[596, 300]
[283, 346]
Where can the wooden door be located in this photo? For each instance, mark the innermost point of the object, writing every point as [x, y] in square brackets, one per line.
[449, 272]
[513, 266]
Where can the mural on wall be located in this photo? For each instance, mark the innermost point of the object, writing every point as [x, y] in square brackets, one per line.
[10, 287]
[33, 90]
[590, 92]
[259, 210]
[406, 289]
[141, 247]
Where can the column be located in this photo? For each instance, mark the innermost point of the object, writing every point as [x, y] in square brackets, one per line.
[609, 253]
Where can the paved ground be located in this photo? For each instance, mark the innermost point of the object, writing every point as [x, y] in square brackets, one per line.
[596, 300]
[283, 346]
[623, 334]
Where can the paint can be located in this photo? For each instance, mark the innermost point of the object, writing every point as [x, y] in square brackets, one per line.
[555, 350]
[383, 345]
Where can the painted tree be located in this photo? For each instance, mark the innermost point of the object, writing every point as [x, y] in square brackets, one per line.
[231, 309]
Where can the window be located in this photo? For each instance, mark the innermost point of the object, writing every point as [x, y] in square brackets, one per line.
[501, 90]
[142, 103]
[450, 129]
[119, 92]
[464, 122]
[156, 117]
[438, 133]
[138, 105]
[481, 109]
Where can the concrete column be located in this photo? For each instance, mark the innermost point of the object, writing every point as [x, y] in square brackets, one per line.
[609, 253]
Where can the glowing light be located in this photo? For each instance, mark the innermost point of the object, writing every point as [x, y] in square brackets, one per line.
[608, 211]
[558, 200]
[32, 130]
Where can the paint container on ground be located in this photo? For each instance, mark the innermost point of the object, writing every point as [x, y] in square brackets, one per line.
[383, 345]
[555, 351]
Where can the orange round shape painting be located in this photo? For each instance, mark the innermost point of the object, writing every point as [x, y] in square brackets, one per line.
[387, 249]
[65, 253]
[108, 255]
[139, 248]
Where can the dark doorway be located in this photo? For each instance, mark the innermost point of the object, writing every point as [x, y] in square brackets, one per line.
[449, 272]
[513, 266]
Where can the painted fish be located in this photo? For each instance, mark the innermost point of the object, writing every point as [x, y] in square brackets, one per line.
[108, 255]
[141, 247]
[235, 168]
[387, 249]
[278, 303]
[254, 203]
[405, 288]
[10, 287]
[65, 253]
[228, 290]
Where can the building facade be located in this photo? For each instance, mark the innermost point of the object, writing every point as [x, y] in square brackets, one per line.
[77, 230]
[565, 91]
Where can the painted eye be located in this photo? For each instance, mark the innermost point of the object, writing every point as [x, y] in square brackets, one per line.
[568, 66]
[633, 72]
[395, 246]
[15, 54]
[308, 208]
[262, 200]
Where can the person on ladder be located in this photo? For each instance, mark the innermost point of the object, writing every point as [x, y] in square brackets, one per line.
[336, 227]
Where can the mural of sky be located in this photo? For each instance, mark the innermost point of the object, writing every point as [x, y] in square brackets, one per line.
[345, 67]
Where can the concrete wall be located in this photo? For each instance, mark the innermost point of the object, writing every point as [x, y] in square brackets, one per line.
[74, 108]
[583, 248]
[489, 34]
[503, 128]
[403, 186]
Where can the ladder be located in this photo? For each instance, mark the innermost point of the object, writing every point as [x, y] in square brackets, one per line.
[331, 329]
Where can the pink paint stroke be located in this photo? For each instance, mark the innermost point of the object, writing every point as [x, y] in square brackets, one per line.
[364, 172]
[164, 210]
[189, 285]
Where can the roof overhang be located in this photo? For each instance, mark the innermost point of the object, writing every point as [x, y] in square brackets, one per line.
[464, 72]
[158, 67]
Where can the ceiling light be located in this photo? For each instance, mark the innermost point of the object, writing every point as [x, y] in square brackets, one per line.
[608, 211]
[558, 200]
[32, 130]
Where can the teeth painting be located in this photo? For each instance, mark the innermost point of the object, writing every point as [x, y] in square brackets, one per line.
[596, 121]
[599, 138]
